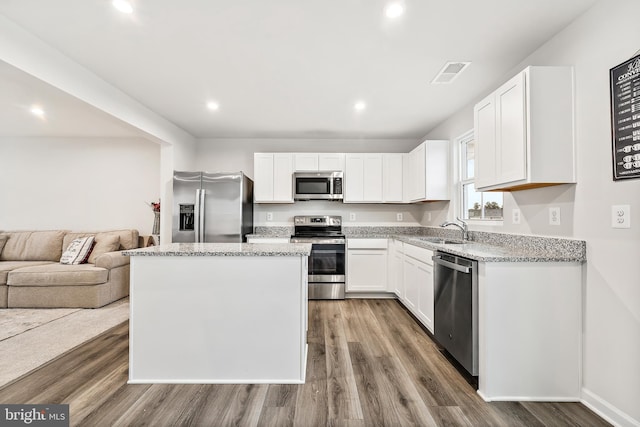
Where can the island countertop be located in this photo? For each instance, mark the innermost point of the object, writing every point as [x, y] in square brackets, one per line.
[223, 249]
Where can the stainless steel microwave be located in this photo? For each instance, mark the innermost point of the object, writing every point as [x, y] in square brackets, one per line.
[317, 185]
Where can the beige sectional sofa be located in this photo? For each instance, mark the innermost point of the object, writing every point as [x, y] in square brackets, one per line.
[31, 274]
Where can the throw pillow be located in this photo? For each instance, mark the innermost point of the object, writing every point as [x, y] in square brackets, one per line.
[78, 251]
[104, 243]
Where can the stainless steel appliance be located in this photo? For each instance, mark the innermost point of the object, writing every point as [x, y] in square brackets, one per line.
[327, 259]
[317, 185]
[456, 308]
[211, 207]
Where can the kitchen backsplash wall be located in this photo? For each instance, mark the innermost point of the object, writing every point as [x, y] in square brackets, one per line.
[282, 214]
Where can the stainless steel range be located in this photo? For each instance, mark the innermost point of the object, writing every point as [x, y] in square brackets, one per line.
[327, 259]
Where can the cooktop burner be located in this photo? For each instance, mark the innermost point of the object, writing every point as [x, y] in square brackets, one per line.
[318, 226]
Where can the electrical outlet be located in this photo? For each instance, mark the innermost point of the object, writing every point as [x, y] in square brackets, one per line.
[352, 216]
[399, 216]
[515, 216]
[621, 216]
[269, 216]
[428, 216]
[554, 216]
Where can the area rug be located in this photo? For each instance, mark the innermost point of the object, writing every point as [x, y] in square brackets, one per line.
[30, 338]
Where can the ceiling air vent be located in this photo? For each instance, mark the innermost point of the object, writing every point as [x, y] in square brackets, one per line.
[449, 72]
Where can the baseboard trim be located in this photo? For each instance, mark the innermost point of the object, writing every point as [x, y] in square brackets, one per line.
[370, 295]
[606, 410]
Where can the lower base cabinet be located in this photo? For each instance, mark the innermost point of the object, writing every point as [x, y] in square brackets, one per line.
[381, 265]
[418, 297]
[396, 276]
[366, 265]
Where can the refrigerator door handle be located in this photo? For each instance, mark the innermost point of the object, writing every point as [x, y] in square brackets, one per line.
[202, 215]
[198, 215]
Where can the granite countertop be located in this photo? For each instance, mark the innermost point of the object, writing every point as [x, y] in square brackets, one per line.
[223, 249]
[490, 253]
[483, 246]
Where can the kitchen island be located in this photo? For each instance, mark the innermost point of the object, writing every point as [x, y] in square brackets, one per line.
[218, 313]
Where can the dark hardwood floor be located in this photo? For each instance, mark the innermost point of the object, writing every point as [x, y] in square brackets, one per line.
[369, 364]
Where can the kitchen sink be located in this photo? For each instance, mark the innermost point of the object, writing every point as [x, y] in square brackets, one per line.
[446, 241]
[451, 242]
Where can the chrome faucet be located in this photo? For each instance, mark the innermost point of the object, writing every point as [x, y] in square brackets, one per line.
[463, 228]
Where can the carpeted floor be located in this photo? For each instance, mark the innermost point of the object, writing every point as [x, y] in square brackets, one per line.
[31, 337]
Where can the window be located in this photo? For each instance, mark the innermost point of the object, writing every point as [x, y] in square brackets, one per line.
[475, 205]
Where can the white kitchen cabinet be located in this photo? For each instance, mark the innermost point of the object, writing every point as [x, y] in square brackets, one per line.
[331, 162]
[426, 295]
[395, 272]
[305, 162]
[410, 290]
[311, 162]
[428, 177]
[366, 265]
[418, 283]
[524, 132]
[393, 178]
[272, 178]
[530, 330]
[363, 178]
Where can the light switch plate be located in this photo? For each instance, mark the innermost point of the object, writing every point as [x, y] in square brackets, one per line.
[621, 216]
[554, 216]
[399, 216]
[352, 216]
[515, 216]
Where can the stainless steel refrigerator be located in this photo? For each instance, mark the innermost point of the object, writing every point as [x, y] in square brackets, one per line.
[211, 207]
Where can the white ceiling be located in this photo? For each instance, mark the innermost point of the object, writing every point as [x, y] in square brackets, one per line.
[278, 68]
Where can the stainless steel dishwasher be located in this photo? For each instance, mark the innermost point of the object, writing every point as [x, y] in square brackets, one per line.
[456, 307]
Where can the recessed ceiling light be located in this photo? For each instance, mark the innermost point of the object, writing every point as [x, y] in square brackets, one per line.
[394, 10]
[123, 6]
[212, 105]
[37, 111]
[359, 106]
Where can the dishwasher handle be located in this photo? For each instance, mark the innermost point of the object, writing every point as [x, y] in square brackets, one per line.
[457, 267]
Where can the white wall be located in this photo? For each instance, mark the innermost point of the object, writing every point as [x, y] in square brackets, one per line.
[605, 36]
[229, 155]
[78, 184]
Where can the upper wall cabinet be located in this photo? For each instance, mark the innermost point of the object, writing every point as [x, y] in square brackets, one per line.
[524, 132]
[272, 176]
[375, 178]
[428, 176]
[363, 178]
[304, 162]
[393, 177]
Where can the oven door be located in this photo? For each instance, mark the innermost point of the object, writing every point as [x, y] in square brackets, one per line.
[327, 263]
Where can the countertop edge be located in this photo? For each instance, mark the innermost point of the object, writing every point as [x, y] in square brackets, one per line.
[222, 250]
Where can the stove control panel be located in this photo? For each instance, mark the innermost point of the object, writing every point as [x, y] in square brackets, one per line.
[318, 221]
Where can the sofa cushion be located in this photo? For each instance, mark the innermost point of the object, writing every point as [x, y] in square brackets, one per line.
[58, 274]
[78, 251]
[104, 243]
[33, 246]
[7, 266]
[128, 238]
